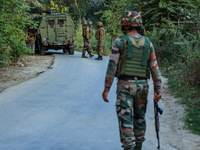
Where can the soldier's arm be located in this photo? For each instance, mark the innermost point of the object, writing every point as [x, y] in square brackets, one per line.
[113, 62]
[155, 72]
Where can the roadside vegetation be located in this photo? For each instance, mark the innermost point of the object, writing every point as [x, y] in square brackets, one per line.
[172, 26]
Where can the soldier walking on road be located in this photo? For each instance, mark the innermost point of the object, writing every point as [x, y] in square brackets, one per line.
[132, 60]
[30, 37]
[100, 36]
[87, 35]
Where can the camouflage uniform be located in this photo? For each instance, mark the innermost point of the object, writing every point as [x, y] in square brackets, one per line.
[87, 35]
[100, 37]
[30, 37]
[131, 94]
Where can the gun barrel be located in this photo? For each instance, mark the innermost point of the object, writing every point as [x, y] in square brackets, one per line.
[157, 110]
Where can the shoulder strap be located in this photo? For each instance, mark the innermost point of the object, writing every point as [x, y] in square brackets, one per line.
[129, 54]
[124, 43]
[146, 52]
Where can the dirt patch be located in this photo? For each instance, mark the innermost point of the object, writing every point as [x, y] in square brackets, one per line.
[26, 68]
[173, 130]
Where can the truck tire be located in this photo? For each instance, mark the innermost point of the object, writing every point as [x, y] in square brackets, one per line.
[64, 50]
[42, 52]
[37, 47]
[71, 49]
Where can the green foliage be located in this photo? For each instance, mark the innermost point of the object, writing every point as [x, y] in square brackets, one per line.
[193, 122]
[164, 13]
[170, 44]
[78, 39]
[13, 18]
[113, 16]
[107, 44]
[183, 72]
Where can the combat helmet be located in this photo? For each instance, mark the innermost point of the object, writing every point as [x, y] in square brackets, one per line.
[131, 18]
[99, 24]
[89, 22]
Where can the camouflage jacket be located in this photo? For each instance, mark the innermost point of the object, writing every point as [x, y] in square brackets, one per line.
[87, 33]
[100, 33]
[117, 47]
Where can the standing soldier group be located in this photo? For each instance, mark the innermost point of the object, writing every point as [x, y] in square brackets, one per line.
[100, 33]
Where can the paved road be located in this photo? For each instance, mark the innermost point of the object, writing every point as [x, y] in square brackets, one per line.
[62, 109]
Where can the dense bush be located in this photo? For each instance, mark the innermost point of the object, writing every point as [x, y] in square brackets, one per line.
[13, 20]
[179, 56]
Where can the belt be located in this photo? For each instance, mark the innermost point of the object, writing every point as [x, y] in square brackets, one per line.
[126, 78]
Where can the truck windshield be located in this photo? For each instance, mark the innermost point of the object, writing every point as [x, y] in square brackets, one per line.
[51, 23]
[61, 22]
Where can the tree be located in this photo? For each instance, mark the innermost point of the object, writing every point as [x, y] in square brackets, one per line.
[13, 20]
[112, 16]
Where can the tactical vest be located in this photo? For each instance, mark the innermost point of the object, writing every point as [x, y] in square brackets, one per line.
[97, 35]
[85, 32]
[134, 57]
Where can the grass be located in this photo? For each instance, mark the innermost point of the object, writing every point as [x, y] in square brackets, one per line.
[189, 99]
[193, 119]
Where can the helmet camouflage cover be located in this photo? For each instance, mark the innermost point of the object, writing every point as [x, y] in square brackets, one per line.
[99, 24]
[131, 18]
[89, 22]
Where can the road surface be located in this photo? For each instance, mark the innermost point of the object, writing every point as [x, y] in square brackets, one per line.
[62, 109]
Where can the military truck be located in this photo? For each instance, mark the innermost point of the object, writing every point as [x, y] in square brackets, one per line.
[55, 31]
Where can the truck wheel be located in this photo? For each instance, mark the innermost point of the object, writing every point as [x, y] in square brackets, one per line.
[71, 49]
[64, 50]
[37, 48]
[42, 52]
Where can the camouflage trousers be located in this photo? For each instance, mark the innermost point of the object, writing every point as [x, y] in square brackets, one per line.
[100, 48]
[131, 109]
[30, 42]
[86, 47]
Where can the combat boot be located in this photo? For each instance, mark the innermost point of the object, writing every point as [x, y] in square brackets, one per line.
[89, 52]
[83, 56]
[129, 148]
[138, 146]
[91, 55]
[99, 58]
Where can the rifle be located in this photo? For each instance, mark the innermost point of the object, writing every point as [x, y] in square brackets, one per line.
[157, 110]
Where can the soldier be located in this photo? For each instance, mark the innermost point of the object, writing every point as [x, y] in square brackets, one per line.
[86, 38]
[30, 37]
[100, 36]
[132, 60]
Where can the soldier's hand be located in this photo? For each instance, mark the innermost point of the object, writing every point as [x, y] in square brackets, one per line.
[99, 45]
[105, 96]
[157, 97]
